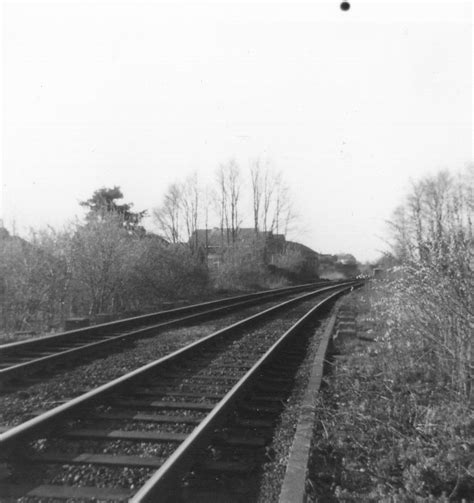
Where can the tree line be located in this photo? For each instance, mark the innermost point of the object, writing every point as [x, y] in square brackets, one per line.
[262, 199]
[104, 264]
[107, 263]
[430, 301]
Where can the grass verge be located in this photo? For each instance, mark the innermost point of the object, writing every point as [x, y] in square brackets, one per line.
[388, 431]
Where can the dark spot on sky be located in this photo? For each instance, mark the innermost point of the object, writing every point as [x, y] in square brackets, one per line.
[345, 6]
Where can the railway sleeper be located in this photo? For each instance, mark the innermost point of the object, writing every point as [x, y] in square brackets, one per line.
[236, 376]
[98, 459]
[206, 378]
[190, 365]
[245, 355]
[178, 393]
[151, 418]
[65, 492]
[235, 365]
[200, 389]
[137, 436]
[158, 404]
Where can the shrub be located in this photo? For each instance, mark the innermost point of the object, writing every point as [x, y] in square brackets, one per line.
[93, 268]
[35, 280]
[242, 268]
[163, 271]
[432, 290]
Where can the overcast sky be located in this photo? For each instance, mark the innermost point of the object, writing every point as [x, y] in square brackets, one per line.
[348, 105]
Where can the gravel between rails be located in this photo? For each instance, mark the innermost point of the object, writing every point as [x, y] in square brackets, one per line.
[19, 406]
[259, 339]
[274, 469]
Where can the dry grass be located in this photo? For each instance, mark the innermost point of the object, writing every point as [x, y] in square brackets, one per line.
[392, 428]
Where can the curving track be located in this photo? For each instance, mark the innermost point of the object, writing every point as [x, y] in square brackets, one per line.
[145, 428]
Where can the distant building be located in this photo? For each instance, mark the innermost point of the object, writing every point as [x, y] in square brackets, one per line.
[273, 249]
[309, 265]
[216, 241]
[339, 266]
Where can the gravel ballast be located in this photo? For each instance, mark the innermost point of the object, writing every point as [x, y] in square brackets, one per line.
[256, 340]
[274, 469]
[19, 406]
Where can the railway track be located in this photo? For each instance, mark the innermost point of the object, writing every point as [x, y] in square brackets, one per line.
[22, 359]
[137, 436]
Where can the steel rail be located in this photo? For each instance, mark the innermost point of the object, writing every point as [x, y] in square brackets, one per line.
[47, 420]
[86, 345]
[159, 486]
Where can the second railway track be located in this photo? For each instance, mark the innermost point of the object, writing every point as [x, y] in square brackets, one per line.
[22, 359]
[141, 431]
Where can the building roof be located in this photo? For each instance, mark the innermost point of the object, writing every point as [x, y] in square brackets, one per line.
[306, 250]
[213, 237]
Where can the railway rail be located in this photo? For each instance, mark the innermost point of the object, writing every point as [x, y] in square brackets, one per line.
[135, 437]
[21, 359]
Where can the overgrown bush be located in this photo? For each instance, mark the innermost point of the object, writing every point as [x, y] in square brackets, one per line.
[92, 268]
[429, 306]
[102, 256]
[241, 268]
[166, 272]
[396, 420]
[389, 429]
[35, 280]
[244, 267]
[428, 325]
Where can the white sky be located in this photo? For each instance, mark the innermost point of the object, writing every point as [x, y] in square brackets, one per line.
[349, 105]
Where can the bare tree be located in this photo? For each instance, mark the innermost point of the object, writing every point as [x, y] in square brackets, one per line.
[190, 206]
[220, 199]
[256, 181]
[268, 188]
[233, 174]
[168, 215]
[284, 215]
[271, 200]
[263, 182]
[206, 206]
[435, 217]
[228, 196]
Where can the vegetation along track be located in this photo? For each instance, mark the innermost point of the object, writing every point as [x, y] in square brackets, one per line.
[21, 359]
[107, 443]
